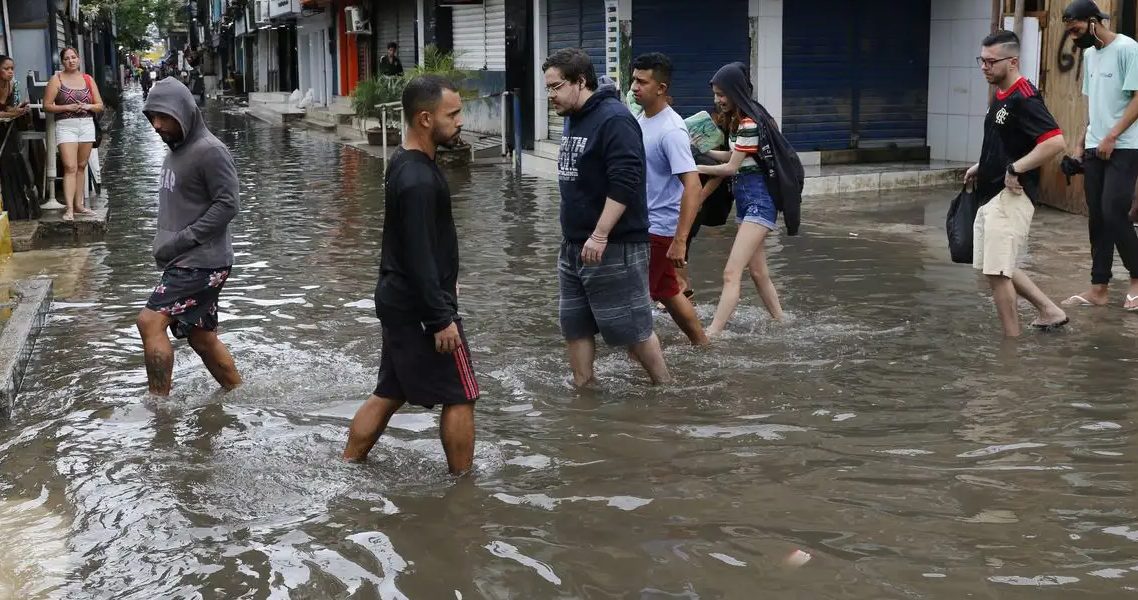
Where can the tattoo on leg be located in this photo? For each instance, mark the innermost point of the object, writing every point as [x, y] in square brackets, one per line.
[159, 368]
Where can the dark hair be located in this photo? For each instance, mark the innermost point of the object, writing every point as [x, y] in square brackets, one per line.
[658, 63]
[574, 63]
[424, 93]
[1005, 38]
[7, 101]
[391, 45]
[63, 52]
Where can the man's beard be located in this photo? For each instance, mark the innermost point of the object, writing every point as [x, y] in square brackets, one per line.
[442, 140]
[170, 138]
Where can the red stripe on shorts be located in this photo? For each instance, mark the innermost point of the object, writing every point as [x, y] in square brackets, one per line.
[466, 373]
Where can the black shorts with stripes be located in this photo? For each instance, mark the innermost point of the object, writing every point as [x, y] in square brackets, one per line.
[410, 369]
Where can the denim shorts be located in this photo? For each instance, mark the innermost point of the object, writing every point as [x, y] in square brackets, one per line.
[753, 202]
[610, 298]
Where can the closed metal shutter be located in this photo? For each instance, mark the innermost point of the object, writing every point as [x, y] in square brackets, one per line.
[893, 73]
[715, 34]
[480, 35]
[859, 77]
[575, 24]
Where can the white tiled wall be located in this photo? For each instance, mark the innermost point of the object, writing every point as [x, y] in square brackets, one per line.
[768, 54]
[958, 93]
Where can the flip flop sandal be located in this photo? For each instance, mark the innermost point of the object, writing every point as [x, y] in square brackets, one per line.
[1077, 300]
[67, 217]
[1130, 299]
[1050, 326]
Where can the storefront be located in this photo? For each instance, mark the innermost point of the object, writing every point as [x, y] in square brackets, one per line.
[316, 67]
[574, 24]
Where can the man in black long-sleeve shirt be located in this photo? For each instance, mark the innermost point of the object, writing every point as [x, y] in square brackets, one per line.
[603, 264]
[425, 358]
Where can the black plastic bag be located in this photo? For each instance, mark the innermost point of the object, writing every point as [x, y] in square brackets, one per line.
[958, 225]
[717, 208]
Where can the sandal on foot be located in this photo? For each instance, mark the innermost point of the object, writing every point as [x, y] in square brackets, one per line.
[1130, 299]
[1077, 300]
[85, 211]
[1050, 326]
[68, 216]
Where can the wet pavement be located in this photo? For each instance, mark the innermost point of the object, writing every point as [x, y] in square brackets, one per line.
[885, 428]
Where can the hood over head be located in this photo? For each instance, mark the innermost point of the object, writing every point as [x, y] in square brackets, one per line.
[735, 82]
[171, 97]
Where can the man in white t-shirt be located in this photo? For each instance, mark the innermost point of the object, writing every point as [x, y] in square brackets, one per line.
[1109, 150]
[673, 187]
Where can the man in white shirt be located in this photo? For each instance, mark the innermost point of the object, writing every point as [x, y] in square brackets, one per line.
[673, 187]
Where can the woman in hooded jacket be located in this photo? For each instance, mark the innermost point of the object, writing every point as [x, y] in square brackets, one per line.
[747, 163]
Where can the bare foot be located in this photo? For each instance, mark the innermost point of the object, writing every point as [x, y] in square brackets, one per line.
[68, 216]
[83, 210]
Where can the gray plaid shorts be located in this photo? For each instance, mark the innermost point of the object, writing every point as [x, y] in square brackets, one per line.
[610, 298]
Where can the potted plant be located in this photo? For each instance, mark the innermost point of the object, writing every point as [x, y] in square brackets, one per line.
[442, 63]
[370, 93]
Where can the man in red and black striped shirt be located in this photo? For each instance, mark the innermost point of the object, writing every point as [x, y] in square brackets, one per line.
[1020, 135]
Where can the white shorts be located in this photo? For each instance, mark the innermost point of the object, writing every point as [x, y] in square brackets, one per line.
[71, 131]
[999, 235]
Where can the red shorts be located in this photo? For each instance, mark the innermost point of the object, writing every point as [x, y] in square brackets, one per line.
[662, 280]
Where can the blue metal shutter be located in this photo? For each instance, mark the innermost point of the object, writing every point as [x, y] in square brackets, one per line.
[714, 33]
[893, 73]
[575, 24]
[857, 78]
[817, 78]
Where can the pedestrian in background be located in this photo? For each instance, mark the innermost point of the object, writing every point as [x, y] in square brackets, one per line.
[74, 99]
[1108, 149]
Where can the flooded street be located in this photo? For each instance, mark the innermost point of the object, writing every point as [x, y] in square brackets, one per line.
[885, 428]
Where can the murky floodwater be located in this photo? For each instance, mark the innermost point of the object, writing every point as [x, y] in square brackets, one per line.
[884, 429]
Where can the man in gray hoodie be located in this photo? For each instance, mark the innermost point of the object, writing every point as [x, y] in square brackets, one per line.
[197, 198]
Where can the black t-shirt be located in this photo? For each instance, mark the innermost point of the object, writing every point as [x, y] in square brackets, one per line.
[390, 67]
[1017, 121]
[418, 267]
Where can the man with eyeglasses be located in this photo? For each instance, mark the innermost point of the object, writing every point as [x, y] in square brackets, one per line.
[603, 263]
[1020, 135]
[1108, 149]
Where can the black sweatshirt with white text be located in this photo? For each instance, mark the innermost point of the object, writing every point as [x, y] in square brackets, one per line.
[602, 157]
[418, 267]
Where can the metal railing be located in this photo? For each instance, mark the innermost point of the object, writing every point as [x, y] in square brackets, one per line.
[393, 108]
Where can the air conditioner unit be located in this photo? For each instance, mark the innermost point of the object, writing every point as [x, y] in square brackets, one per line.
[354, 21]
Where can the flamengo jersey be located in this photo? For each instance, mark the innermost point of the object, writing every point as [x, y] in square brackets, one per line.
[1017, 121]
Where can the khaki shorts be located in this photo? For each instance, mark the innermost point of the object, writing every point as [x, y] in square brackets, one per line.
[999, 235]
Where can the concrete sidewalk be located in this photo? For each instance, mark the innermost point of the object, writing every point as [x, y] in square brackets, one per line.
[18, 336]
[820, 180]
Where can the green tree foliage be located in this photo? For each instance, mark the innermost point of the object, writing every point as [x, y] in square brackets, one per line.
[135, 18]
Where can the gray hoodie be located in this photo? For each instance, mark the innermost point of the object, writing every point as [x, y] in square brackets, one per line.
[198, 190]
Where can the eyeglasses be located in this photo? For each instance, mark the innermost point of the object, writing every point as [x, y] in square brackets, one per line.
[990, 62]
[556, 86]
